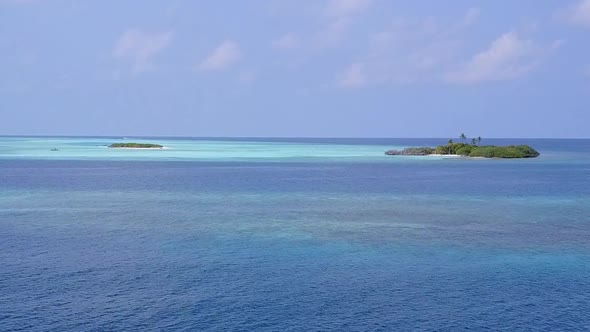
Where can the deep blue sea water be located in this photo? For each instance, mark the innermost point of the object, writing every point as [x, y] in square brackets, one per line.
[301, 235]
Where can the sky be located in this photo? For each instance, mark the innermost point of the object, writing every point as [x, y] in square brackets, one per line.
[295, 68]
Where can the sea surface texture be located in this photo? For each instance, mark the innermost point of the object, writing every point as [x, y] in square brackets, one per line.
[291, 235]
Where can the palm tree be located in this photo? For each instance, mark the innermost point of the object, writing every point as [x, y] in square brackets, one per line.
[450, 147]
[473, 140]
[463, 137]
[478, 140]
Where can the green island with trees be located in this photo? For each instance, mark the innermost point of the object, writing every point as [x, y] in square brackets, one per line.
[136, 146]
[472, 149]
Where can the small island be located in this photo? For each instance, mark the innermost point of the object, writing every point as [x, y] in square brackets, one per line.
[135, 146]
[469, 150]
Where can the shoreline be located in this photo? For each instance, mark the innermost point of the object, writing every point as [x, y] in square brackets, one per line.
[162, 148]
[445, 155]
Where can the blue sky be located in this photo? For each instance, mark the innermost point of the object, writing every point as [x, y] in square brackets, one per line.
[340, 68]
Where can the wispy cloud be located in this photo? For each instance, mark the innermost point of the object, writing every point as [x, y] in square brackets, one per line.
[470, 18]
[408, 51]
[332, 20]
[412, 51]
[332, 33]
[287, 41]
[222, 57]
[141, 47]
[343, 8]
[580, 13]
[338, 17]
[354, 76]
[508, 57]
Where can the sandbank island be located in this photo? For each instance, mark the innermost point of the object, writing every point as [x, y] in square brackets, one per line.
[136, 146]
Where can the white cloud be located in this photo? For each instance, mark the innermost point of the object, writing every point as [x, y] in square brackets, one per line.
[580, 14]
[224, 56]
[508, 57]
[409, 51]
[354, 76]
[342, 8]
[471, 16]
[331, 21]
[141, 47]
[339, 16]
[288, 41]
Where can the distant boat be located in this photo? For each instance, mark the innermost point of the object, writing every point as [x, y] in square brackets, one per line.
[55, 149]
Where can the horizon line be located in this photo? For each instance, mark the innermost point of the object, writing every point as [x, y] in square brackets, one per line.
[277, 137]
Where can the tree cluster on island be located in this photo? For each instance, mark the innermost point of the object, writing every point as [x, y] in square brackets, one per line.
[136, 146]
[470, 150]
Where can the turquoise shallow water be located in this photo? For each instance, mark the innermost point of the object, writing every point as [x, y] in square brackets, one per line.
[183, 149]
[291, 235]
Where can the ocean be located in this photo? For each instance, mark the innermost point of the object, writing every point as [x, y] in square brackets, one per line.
[288, 234]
